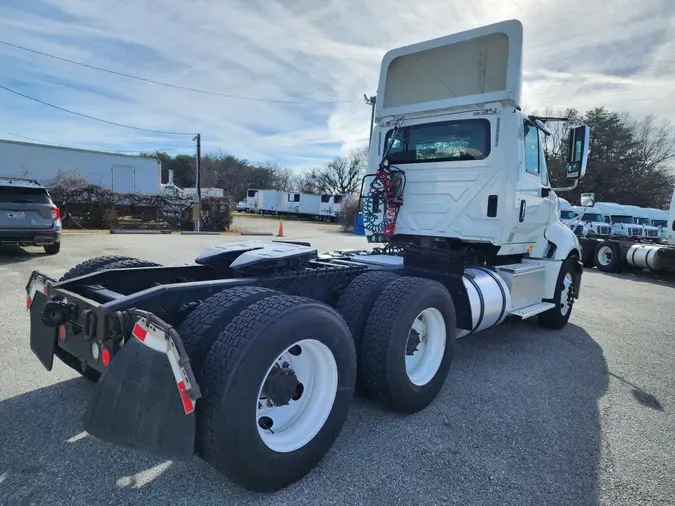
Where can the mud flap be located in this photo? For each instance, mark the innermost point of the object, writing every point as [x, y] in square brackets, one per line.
[136, 404]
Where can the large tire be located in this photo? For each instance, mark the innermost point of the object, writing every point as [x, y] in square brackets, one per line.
[131, 263]
[92, 265]
[202, 326]
[607, 257]
[588, 258]
[387, 343]
[89, 267]
[357, 300]
[563, 297]
[228, 425]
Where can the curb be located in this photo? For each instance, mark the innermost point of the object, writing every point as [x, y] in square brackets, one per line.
[139, 232]
[184, 232]
[258, 233]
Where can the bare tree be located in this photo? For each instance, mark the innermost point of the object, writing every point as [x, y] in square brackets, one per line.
[341, 174]
[630, 161]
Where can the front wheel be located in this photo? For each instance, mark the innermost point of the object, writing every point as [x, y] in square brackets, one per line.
[563, 298]
[277, 386]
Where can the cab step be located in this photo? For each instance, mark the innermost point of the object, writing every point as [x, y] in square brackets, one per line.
[532, 310]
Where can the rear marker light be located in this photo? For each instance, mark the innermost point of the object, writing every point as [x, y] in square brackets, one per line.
[105, 356]
[95, 351]
[56, 213]
[29, 301]
[63, 332]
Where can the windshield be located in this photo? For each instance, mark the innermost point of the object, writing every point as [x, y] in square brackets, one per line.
[27, 195]
[566, 215]
[592, 217]
[445, 141]
[660, 223]
[642, 221]
[622, 219]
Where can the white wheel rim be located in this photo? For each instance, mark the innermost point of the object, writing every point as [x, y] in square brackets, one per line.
[423, 358]
[605, 255]
[565, 302]
[298, 422]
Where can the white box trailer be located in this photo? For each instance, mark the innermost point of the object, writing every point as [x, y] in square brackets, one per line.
[310, 205]
[118, 172]
[326, 205]
[265, 201]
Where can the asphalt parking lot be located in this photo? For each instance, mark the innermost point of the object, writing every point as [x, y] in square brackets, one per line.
[527, 416]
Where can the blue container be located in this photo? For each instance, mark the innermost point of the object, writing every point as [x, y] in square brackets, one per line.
[358, 225]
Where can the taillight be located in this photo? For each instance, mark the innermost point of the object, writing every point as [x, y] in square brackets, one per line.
[56, 213]
[105, 356]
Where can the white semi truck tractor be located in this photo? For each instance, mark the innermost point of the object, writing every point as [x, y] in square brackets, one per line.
[619, 252]
[249, 357]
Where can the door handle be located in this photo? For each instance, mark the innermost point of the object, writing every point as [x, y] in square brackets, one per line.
[523, 206]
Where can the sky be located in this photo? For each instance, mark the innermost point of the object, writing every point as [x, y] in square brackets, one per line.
[577, 53]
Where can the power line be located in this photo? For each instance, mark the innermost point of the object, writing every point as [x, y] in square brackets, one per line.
[73, 147]
[176, 86]
[92, 117]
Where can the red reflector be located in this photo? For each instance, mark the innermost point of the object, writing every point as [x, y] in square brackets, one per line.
[139, 332]
[105, 356]
[29, 301]
[56, 213]
[188, 404]
[63, 332]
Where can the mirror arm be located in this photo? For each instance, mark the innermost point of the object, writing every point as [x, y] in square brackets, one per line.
[569, 188]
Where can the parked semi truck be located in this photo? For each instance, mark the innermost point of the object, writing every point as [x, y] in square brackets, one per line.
[620, 219]
[118, 172]
[659, 219]
[641, 217]
[619, 252]
[594, 223]
[249, 358]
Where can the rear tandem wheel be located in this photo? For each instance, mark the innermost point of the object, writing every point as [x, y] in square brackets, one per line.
[277, 385]
[409, 343]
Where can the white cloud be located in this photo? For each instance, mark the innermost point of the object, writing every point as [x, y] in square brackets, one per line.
[578, 53]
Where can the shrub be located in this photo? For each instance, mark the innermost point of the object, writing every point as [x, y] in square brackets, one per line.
[347, 215]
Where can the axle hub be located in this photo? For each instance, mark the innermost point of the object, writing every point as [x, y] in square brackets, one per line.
[281, 385]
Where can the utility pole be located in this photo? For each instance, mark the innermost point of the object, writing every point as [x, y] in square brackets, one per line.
[371, 102]
[198, 139]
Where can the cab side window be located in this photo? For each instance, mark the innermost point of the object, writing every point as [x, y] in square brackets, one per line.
[531, 149]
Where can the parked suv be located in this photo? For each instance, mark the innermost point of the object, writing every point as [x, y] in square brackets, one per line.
[28, 217]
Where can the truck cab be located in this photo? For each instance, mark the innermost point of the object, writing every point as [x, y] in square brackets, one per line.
[473, 161]
[649, 232]
[659, 218]
[570, 218]
[620, 219]
[593, 222]
[457, 168]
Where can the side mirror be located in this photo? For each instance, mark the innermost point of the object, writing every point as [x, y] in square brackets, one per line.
[578, 152]
[587, 199]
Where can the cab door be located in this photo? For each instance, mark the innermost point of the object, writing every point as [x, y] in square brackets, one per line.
[534, 200]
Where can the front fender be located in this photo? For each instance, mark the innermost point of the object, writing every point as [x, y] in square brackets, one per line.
[563, 240]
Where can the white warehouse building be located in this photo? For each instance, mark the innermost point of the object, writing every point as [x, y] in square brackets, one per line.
[121, 173]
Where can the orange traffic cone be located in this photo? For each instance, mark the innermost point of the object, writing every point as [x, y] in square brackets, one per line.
[281, 229]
